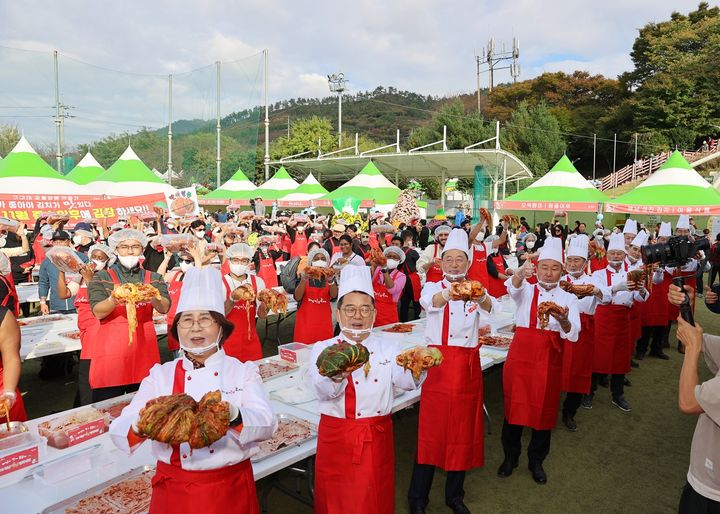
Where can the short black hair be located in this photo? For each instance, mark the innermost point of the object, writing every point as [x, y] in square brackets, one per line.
[340, 300]
[351, 227]
[197, 224]
[313, 244]
[346, 237]
[226, 326]
[407, 234]
[396, 238]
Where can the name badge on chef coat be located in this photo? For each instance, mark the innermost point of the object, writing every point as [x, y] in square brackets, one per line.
[472, 307]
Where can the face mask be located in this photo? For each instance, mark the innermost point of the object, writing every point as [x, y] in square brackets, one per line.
[615, 264]
[129, 261]
[320, 264]
[450, 276]
[548, 285]
[530, 245]
[264, 249]
[392, 263]
[77, 240]
[355, 333]
[200, 351]
[184, 266]
[239, 269]
[199, 234]
[98, 264]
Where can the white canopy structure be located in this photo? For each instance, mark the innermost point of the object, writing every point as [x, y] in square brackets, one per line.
[309, 189]
[87, 170]
[129, 176]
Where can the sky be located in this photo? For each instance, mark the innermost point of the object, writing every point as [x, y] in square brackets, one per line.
[421, 45]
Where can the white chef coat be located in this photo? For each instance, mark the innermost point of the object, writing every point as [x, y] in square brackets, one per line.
[588, 304]
[374, 393]
[625, 298]
[523, 297]
[239, 383]
[234, 283]
[465, 317]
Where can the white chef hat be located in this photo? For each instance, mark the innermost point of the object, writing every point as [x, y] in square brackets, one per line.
[640, 239]
[355, 279]
[630, 227]
[457, 240]
[239, 250]
[442, 229]
[315, 252]
[617, 242]
[665, 229]
[551, 250]
[202, 290]
[395, 251]
[126, 234]
[683, 222]
[578, 246]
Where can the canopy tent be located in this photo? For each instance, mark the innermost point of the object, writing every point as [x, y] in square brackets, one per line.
[277, 187]
[87, 170]
[129, 176]
[23, 171]
[237, 187]
[309, 189]
[562, 188]
[675, 188]
[369, 184]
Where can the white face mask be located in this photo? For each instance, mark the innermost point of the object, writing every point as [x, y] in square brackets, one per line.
[239, 269]
[452, 277]
[200, 234]
[392, 263]
[615, 264]
[200, 351]
[354, 333]
[548, 285]
[530, 245]
[99, 264]
[184, 266]
[129, 261]
[320, 264]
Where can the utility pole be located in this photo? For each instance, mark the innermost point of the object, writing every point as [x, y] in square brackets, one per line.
[267, 119]
[170, 120]
[594, 153]
[58, 149]
[477, 63]
[218, 159]
[337, 85]
[492, 59]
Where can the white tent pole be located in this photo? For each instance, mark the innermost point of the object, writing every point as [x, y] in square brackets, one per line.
[442, 188]
[170, 118]
[504, 176]
[267, 120]
[218, 161]
[58, 152]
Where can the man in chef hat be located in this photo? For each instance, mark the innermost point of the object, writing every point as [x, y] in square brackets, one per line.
[355, 462]
[613, 338]
[633, 261]
[578, 358]
[534, 362]
[688, 271]
[450, 428]
[630, 230]
[430, 258]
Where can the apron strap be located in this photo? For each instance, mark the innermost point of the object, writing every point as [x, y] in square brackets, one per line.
[609, 277]
[178, 387]
[113, 276]
[533, 308]
[147, 277]
[350, 398]
[446, 322]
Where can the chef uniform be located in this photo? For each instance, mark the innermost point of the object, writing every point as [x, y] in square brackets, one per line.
[17, 411]
[613, 342]
[532, 374]
[218, 478]
[386, 299]
[478, 267]
[432, 252]
[313, 321]
[637, 309]
[355, 462]
[578, 357]
[450, 427]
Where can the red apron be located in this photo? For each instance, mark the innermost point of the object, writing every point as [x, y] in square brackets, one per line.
[532, 375]
[413, 278]
[243, 343]
[653, 312]
[115, 362]
[612, 338]
[450, 426]
[267, 272]
[286, 244]
[174, 290]
[478, 268]
[11, 301]
[355, 463]
[17, 411]
[435, 273]
[87, 323]
[597, 264]
[298, 248]
[374, 241]
[386, 307]
[180, 491]
[578, 359]
[314, 316]
[497, 285]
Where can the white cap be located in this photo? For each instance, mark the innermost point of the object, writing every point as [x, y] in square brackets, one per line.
[202, 290]
[442, 229]
[240, 250]
[457, 240]
[617, 242]
[395, 250]
[578, 246]
[630, 227]
[640, 239]
[315, 252]
[126, 234]
[665, 229]
[683, 222]
[551, 250]
[354, 279]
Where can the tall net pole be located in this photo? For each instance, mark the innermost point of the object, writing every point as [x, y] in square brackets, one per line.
[58, 149]
[170, 120]
[267, 120]
[218, 159]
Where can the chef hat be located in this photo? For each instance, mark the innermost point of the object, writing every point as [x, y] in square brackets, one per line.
[239, 250]
[442, 229]
[630, 227]
[640, 239]
[103, 248]
[551, 250]
[617, 242]
[317, 251]
[578, 246]
[683, 222]
[4, 264]
[355, 279]
[457, 240]
[202, 290]
[665, 229]
[126, 234]
[396, 251]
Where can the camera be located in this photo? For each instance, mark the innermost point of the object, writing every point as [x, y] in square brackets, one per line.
[676, 252]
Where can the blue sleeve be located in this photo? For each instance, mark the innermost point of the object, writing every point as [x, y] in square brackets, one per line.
[44, 280]
[83, 257]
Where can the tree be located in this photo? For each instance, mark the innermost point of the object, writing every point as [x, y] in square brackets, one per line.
[533, 133]
[463, 129]
[9, 137]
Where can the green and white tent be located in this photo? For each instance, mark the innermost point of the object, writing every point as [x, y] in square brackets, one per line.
[280, 185]
[87, 170]
[675, 188]
[562, 188]
[129, 176]
[24, 172]
[309, 189]
[237, 187]
[369, 184]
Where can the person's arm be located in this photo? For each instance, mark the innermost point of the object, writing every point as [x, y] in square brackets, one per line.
[492, 268]
[162, 269]
[163, 304]
[23, 238]
[300, 289]
[62, 289]
[100, 297]
[477, 229]
[44, 287]
[691, 338]
[10, 353]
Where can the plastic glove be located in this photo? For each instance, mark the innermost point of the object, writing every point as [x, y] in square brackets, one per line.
[234, 412]
[446, 294]
[622, 286]
[8, 398]
[527, 269]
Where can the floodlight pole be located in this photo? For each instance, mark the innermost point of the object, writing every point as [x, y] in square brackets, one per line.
[267, 120]
[594, 152]
[337, 85]
[170, 118]
[218, 161]
[58, 150]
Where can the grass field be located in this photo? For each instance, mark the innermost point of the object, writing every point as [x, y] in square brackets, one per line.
[615, 463]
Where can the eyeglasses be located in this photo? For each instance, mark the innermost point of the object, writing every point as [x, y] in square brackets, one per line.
[126, 248]
[204, 322]
[351, 310]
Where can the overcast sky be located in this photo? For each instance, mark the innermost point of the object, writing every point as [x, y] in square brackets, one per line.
[420, 45]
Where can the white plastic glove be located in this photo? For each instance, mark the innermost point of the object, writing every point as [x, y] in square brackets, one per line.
[8, 397]
[234, 412]
[527, 269]
[446, 294]
[622, 286]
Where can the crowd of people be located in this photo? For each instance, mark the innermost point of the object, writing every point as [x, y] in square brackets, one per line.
[583, 320]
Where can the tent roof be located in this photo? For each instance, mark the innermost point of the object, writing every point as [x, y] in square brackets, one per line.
[310, 189]
[87, 170]
[369, 184]
[236, 187]
[675, 188]
[129, 168]
[277, 187]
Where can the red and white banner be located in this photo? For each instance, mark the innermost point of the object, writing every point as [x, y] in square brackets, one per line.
[366, 204]
[698, 210]
[547, 206]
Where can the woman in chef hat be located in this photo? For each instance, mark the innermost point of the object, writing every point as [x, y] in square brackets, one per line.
[219, 477]
[314, 316]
